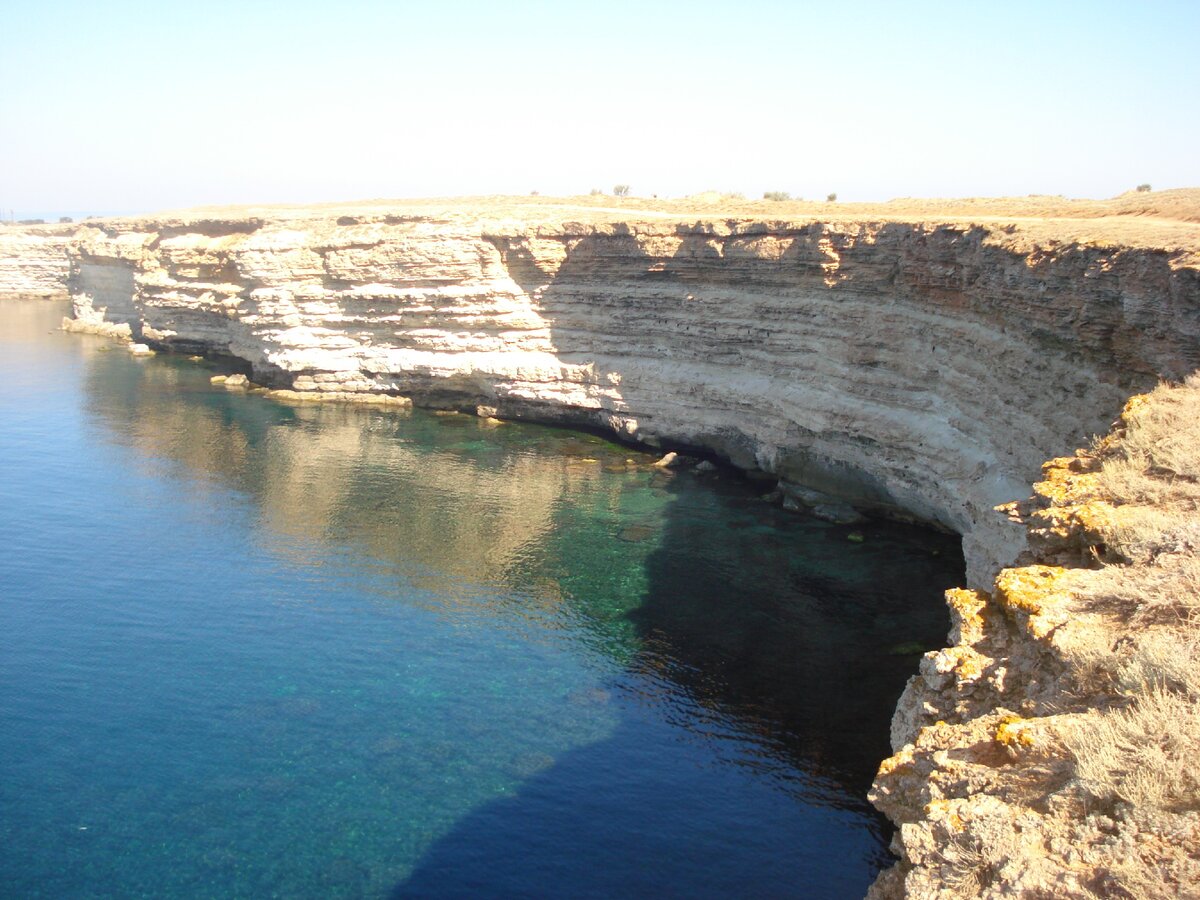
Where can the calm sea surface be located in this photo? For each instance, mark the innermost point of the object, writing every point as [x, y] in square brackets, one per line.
[254, 650]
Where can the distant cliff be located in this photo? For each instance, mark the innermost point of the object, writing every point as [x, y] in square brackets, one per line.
[33, 261]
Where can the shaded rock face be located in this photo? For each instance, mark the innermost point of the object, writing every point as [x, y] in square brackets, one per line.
[916, 370]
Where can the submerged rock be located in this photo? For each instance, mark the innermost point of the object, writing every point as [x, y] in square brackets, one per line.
[633, 534]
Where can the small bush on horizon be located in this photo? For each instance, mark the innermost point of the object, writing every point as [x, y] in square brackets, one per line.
[776, 195]
[1142, 188]
[621, 190]
[832, 198]
[596, 192]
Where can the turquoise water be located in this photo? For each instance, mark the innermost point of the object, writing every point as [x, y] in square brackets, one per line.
[254, 650]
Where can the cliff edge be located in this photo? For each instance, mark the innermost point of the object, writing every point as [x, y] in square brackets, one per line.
[1051, 750]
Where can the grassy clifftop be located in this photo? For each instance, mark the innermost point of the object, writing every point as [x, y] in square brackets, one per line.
[1051, 751]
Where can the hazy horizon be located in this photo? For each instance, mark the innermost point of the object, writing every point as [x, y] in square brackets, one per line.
[146, 108]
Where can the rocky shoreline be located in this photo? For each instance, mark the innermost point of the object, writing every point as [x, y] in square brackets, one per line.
[905, 366]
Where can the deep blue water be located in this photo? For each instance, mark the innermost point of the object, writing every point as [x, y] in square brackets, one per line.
[254, 650]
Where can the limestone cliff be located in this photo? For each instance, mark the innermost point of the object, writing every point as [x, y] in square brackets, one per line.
[915, 369]
[917, 361]
[33, 261]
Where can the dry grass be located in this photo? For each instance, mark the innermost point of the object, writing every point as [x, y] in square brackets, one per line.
[1155, 877]
[1134, 481]
[1145, 754]
[1162, 659]
[1152, 474]
[1158, 457]
[1142, 534]
[1163, 592]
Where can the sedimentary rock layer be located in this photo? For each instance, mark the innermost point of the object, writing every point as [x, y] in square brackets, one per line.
[914, 369]
[33, 262]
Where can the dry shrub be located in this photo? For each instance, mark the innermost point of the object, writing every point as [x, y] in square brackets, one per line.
[1158, 457]
[1151, 474]
[1166, 433]
[1141, 534]
[972, 863]
[1165, 875]
[1162, 659]
[1165, 591]
[1131, 481]
[1143, 754]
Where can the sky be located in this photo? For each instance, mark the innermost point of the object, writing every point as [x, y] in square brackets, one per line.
[135, 107]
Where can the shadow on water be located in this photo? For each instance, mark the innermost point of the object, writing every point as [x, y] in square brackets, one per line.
[785, 654]
[761, 650]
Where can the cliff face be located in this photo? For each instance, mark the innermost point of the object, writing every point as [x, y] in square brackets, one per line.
[923, 370]
[33, 261]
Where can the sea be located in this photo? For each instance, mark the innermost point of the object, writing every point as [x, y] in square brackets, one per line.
[251, 649]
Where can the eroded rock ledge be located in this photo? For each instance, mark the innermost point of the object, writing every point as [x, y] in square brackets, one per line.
[1051, 750]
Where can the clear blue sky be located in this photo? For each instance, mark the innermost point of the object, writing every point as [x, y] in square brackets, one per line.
[120, 106]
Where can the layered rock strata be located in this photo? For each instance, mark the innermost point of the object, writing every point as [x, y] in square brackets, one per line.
[33, 262]
[922, 370]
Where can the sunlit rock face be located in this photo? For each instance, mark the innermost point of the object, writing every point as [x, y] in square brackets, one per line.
[917, 370]
[33, 262]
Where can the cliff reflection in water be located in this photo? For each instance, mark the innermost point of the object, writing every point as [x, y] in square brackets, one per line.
[803, 637]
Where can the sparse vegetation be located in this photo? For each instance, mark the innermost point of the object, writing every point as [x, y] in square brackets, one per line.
[831, 198]
[1152, 476]
[1136, 756]
[621, 190]
[1143, 754]
[1143, 188]
[972, 865]
[596, 192]
[777, 195]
